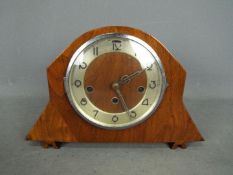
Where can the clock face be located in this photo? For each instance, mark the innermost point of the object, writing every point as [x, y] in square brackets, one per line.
[115, 81]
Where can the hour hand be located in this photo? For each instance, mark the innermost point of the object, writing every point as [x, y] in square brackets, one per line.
[126, 78]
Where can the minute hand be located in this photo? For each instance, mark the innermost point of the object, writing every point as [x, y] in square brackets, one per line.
[116, 87]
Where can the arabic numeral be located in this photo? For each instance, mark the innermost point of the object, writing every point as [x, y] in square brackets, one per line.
[145, 102]
[95, 51]
[152, 84]
[77, 83]
[83, 101]
[149, 68]
[133, 114]
[115, 118]
[116, 45]
[95, 112]
[83, 65]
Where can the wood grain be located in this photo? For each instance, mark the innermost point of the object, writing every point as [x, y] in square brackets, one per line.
[171, 123]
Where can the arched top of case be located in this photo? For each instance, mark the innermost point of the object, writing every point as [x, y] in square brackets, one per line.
[159, 48]
[175, 73]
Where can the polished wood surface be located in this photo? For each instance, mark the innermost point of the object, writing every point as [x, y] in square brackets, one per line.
[171, 123]
[100, 76]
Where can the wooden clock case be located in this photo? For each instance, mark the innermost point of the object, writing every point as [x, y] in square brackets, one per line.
[170, 123]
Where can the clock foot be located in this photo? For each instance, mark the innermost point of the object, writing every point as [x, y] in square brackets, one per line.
[55, 145]
[174, 145]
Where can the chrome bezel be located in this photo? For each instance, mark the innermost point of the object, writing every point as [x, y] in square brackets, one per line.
[117, 35]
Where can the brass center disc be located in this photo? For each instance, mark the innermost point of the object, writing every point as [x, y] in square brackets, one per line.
[107, 69]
